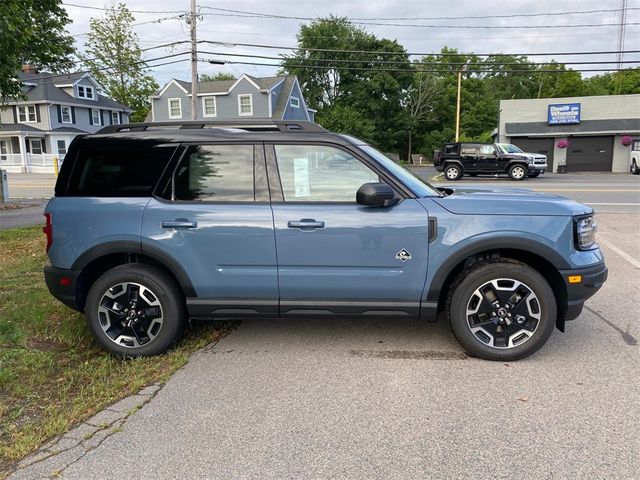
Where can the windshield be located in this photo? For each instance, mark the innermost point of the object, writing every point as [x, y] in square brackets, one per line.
[410, 179]
[508, 148]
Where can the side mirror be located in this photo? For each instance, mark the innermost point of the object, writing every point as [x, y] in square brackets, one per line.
[376, 195]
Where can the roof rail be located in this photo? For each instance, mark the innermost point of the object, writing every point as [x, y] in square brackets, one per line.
[263, 125]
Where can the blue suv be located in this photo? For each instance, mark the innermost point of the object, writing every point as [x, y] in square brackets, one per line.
[153, 224]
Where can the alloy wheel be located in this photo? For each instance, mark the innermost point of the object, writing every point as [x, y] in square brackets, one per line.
[517, 173]
[130, 314]
[503, 313]
[451, 173]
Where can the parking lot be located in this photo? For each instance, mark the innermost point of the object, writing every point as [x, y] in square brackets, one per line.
[392, 399]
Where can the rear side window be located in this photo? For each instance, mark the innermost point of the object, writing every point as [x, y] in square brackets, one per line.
[216, 173]
[118, 172]
[451, 149]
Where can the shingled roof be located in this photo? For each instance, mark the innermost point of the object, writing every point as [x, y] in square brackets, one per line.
[223, 86]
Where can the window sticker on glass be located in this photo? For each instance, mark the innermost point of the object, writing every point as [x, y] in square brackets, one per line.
[301, 177]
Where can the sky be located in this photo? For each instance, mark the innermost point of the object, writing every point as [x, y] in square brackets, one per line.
[160, 28]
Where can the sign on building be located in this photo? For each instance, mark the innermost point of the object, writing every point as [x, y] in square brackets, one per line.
[564, 113]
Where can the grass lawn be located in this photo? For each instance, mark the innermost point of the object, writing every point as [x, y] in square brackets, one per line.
[51, 374]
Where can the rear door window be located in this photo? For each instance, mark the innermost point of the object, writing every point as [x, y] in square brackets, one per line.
[216, 173]
[468, 150]
[122, 172]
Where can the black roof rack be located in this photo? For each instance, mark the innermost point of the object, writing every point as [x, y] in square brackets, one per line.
[246, 125]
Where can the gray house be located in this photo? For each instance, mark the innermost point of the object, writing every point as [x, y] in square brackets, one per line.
[279, 98]
[58, 107]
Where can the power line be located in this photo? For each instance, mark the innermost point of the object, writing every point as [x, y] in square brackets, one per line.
[463, 17]
[415, 70]
[104, 9]
[396, 62]
[442, 26]
[424, 54]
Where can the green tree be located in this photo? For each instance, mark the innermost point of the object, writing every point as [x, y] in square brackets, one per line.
[355, 82]
[205, 77]
[31, 32]
[114, 58]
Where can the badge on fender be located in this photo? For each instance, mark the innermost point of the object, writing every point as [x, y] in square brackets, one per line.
[403, 255]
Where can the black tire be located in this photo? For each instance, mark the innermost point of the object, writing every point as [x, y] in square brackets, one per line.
[635, 169]
[533, 174]
[522, 340]
[452, 172]
[160, 291]
[518, 172]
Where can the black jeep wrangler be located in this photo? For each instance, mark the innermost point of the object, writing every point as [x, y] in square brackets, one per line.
[458, 159]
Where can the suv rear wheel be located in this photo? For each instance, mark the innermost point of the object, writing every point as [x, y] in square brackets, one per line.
[517, 172]
[452, 172]
[135, 310]
[503, 311]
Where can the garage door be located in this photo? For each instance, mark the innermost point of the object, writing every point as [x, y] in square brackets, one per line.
[590, 154]
[537, 145]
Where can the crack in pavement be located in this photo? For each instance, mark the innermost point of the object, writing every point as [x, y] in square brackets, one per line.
[626, 336]
[85, 437]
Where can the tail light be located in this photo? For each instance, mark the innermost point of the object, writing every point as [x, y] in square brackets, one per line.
[48, 230]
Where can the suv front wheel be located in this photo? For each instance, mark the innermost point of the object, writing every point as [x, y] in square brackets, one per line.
[452, 172]
[135, 310]
[503, 311]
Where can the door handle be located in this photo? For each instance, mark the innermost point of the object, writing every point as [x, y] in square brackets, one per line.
[179, 223]
[306, 223]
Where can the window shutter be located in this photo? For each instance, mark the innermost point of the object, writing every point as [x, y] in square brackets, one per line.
[120, 118]
[73, 115]
[59, 113]
[110, 117]
[38, 113]
[27, 145]
[101, 117]
[15, 114]
[90, 116]
[44, 145]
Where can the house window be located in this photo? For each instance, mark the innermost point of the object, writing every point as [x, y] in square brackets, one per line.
[95, 116]
[85, 92]
[27, 114]
[62, 147]
[209, 106]
[294, 102]
[36, 146]
[115, 118]
[245, 105]
[65, 114]
[175, 108]
[3, 150]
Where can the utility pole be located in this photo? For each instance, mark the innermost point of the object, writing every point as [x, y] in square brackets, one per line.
[194, 62]
[622, 22]
[458, 103]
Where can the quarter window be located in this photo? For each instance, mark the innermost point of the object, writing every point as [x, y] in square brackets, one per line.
[209, 106]
[245, 105]
[175, 108]
[65, 114]
[216, 173]
[317, 173]
[27, 114]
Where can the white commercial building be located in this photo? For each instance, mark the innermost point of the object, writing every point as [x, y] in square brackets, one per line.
[583, 133]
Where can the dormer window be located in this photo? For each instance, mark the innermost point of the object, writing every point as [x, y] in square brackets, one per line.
[294, 102]
[85, 92]
[245, 105]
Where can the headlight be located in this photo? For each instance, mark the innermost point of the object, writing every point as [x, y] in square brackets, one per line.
[585, 229]
[530, 159]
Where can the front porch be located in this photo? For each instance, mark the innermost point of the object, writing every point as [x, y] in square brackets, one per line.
[31, 152]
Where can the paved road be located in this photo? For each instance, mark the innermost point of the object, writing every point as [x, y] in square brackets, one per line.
[391, 399]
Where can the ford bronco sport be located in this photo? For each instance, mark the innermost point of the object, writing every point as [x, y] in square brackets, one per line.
[459, 159]
[152, 224]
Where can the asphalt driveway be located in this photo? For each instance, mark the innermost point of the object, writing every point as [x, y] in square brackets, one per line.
[392, 399]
